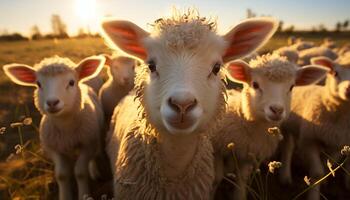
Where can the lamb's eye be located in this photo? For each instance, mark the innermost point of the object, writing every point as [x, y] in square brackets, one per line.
[38, 84]
[335, 74]
[291, 88]
[255, 85]
[152, 66]
[216, 68]
[71, 83]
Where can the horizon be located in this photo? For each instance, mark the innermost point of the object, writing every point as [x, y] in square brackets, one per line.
[18, 15]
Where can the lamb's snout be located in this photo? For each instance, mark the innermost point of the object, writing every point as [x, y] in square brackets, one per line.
[52, 105]
[181, 111]
[276, 112]
[182, 105]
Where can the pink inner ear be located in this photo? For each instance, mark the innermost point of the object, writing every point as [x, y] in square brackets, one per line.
[245, 40]
[238, 72]
[129, 41]
[324, 62]
[23, 74]
[88, 68]
[125, 32]
[309, 76]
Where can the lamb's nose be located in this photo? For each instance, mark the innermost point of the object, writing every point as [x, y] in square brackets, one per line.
[347, 92]
[52, 102]
[182, 103]
[277, 110]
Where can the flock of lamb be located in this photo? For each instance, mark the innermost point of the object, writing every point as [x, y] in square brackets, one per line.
[168, 124]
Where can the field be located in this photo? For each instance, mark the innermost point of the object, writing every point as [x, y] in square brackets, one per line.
[26, 174]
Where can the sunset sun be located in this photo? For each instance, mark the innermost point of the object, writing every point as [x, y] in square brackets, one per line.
[86, 9]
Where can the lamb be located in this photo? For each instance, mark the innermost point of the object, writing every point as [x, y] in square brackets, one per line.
[121, 73]
[306, 55]
[263, 103]
[291, 53]
[329, 43]
[300, 45]
[72, 117]
[319, 121]
[159, 137]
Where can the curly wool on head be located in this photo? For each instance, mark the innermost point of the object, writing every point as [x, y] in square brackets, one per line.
[55, 65]
[184, 30]
[274, 67]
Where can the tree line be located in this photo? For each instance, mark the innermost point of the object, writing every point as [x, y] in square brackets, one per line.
[59, 31]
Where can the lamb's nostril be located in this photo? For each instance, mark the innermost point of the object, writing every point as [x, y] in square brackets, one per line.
[182, 106]
[173, 105]
[277, 110]
[52, 103]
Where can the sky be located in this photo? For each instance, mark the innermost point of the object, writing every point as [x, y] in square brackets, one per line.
[21, 15]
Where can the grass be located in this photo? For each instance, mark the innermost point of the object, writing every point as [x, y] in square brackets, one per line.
[28, 174]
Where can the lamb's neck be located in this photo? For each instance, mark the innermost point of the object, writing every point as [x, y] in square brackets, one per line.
[177, 152]
[120, 88]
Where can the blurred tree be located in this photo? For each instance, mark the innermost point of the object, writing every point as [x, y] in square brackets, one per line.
[345, 25]
[35, 33]
[280, 26]
[322, 28]
[59, 28]
[338, 26]
[81, 33]
[250, 13]
[289, 29]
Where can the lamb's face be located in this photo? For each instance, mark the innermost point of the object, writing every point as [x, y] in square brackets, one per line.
[338, 77]
[184, 87]
[268, 85]
[270, 100]
[57, 93]
[57, 90]
[338, 81]
[123, 71]
[184, 56]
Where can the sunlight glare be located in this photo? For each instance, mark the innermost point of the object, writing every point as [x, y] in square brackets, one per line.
[86, 9]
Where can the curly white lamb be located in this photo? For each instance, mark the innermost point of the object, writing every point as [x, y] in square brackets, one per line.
[121, 73]
[263, 103]
[289, 52]
[300, 44]
[159, 138]
[306, 55]
[72, 117]
[319, 121]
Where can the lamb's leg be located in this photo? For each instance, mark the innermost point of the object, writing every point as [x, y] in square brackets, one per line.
[286, 158]
[312, 153]
[245, 169]
[63, 174]
[81, 172]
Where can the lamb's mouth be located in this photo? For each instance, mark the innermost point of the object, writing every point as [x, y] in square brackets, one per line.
[53, 110]
[274, 118]
[180, 122]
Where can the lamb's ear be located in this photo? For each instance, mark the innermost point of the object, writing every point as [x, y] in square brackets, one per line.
[108, 58]
[248, 36]
[310, 74]
[126, 36]
[238, 71]
[21, 74]
[90, 67]
[323, 61]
